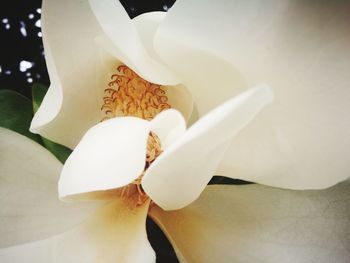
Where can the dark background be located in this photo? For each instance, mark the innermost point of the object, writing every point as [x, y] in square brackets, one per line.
[21, 44]
[20, 38]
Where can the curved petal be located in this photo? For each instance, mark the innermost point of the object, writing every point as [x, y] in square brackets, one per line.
[210, 80]
[302, 51]
[52, 102]
[30, 209]
[169, 125]
[190, 162]
[116, 233]
[179, 96]
[77, 72]
[251, 223]
[180, 99]
[127, 45]
[110, 155]
[147, 25]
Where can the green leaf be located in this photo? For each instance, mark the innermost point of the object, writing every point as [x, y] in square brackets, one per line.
[61, 152]
[16, 113]
[38, 93]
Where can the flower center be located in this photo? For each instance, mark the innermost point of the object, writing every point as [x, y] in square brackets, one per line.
[130, 95]
[153, 151]
[134, 191]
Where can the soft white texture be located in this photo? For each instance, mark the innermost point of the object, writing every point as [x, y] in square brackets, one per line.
[115, 233]
[255, 223]
[53, 100]
[30, 209]
[179, 96]
[169, 126]
[128, 47]
[302, 51]
[80, 68]
[110, 155]
[190, 162]
[147, 25]
[301, 141]
[77, 75]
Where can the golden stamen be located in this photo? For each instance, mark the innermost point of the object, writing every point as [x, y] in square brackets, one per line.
[153, 151]
[130, 95]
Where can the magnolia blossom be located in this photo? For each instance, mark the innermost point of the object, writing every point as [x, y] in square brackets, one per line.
[157, 105]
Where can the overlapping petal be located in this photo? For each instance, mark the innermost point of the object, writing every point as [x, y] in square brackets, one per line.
[210, 79]
[147, 25]
[110, 155]
[128, 47]
[80, 68]
[30, 209]
[254, 223]
[77, 75]
[115, 233]
[169, 126]
[190, 162]
[302, 51]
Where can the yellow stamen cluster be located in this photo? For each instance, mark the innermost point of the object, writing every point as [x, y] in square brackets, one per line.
[130, 95]
[153, 151]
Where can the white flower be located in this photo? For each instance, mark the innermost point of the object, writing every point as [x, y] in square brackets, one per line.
[300, 51]
[227, 223]
[215, 51]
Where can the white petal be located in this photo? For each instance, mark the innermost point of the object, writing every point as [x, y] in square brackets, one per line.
[253, 223]
[52, 102]
[302, 51]
[77, 69]
[169, 126]
[116, 233]
[124, 37]
[110, 155]
[30, 209]
[179, 96]
[191, 161]
[146, 25]
[210, 79]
